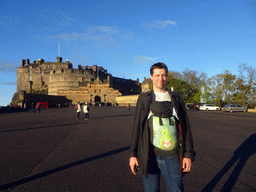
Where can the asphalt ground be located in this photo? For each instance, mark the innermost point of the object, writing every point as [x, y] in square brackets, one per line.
[53, 151]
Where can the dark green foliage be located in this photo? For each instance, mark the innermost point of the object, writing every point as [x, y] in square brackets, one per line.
[189, 94]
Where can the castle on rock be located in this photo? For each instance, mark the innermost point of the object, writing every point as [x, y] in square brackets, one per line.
[85, 84]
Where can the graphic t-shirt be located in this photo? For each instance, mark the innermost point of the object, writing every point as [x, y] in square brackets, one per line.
[163, 128]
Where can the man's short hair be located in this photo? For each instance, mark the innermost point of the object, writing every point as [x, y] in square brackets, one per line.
[158, 65]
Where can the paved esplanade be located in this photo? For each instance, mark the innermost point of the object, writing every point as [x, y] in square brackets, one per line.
[53, 151]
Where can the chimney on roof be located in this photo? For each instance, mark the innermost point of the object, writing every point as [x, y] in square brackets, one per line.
[23, 62]
[58, 59]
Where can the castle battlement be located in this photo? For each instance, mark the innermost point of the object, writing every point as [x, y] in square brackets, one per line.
[60, 78]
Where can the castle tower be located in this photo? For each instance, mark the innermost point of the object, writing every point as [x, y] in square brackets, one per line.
[62, 79]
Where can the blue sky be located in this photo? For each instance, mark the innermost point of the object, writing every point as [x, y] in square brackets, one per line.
[127, 37]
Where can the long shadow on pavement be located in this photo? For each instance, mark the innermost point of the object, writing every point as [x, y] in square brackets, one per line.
[39, 127]
[103, 117]
[61, 168]
[125, 115]
[243, 152]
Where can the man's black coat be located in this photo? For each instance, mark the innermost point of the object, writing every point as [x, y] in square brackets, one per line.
[140, 136]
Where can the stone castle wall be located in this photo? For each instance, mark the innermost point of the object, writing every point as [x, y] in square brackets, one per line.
[91, 93]
[124, 100]
[23, 79]
[62, 79]
[35, 76]
[85, 84]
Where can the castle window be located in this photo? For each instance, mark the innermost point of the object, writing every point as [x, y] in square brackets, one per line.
[54, 71]
[42, 72]
[30, 78]
[43, 67]
[72, 71]
[30, 72]
[62, 70]
[53, 67]
[30, 67]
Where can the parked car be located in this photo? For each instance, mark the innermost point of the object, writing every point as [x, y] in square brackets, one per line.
[189, 106]
[197, 105]
[209, 107]
[234, 107]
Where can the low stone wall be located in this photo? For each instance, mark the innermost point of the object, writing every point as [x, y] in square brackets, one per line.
[124, 100]
[25, 100]
[252, 110]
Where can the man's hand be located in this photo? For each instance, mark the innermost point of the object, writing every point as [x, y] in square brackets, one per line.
[186, 164]
[134, 165]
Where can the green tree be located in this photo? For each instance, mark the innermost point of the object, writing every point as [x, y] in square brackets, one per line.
[186, 91]
[228, 85]
[222, 87]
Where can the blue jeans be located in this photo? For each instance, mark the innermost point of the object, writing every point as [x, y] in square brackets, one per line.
[169, 168]
[86, 115]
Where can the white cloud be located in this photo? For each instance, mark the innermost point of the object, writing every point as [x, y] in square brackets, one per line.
[8, 83]
[63, 19]
[157, 24]
[143, 60]
[107, 29]
[103, 36]
[7, 67]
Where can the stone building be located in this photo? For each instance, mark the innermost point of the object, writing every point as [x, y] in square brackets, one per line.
[146, 84]
[85, 84]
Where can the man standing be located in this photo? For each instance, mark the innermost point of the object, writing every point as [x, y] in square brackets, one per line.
[78, 110]
[39, 107]
[86, 110]
[161, 139]
[33, 107]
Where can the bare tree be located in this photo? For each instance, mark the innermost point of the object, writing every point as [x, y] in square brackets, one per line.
[246, 84]
[175, 75]
[193, 78]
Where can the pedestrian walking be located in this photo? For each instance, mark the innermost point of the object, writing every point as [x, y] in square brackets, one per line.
[33, 107]
[39, 108]
[161, 139]
[78, 109]
[86, 110]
